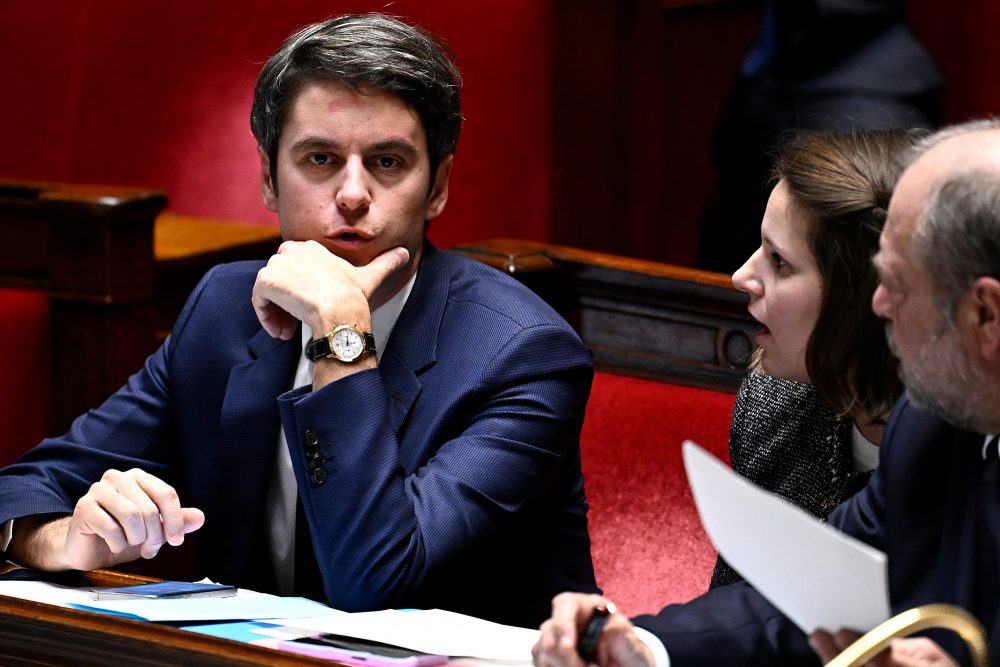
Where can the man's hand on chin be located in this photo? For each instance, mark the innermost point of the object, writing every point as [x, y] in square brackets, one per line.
[305, 282]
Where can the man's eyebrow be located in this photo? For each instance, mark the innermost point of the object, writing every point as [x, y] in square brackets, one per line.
[313, 143]
[882, 268]
[878, 262]
[395, 146]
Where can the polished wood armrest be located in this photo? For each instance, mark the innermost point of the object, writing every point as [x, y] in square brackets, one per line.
[639, 318]
[116, 271]
[185, 248]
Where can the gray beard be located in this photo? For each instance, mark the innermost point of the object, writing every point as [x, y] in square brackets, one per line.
[942, 381]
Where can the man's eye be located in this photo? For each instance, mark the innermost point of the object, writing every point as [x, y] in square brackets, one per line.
[777, 260]
[319, 159]
[387, 162]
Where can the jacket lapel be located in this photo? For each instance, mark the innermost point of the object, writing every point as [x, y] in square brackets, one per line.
[413, 346]
[249, 428]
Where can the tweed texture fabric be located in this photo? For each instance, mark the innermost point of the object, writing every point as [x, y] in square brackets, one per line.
[785, 438]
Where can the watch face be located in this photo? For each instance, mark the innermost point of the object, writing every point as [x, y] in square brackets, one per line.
[347, 344]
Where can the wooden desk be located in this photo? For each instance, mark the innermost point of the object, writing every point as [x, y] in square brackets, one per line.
[36, 634]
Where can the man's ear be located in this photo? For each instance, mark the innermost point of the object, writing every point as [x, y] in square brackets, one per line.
[439, 191]
[267, 190]
[984, 311]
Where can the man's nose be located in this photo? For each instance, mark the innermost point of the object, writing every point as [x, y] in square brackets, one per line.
[881, 302]
[353, 188]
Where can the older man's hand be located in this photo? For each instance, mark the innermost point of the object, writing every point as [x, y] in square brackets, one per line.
[910, 652]
[618, 645]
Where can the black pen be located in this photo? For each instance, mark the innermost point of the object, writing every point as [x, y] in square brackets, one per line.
[591, 635]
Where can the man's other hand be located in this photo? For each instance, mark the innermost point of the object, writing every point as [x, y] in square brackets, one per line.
[909, 652]
[306, 282]
[124, 516]
[618, 646]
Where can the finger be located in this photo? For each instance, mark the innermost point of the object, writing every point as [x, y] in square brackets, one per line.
[275, 320]
[166, 519]
[822, 643]
[619, 645]
[89, 518]
[568, 611]
[122, 498]
[918, 651]
[844, 638]
[194, 519]
[371, 276]
[550, 650]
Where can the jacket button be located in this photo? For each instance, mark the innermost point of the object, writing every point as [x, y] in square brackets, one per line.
[318, 476]
[312, 438]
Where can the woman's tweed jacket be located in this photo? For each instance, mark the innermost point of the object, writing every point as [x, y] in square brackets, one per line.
[786, 439]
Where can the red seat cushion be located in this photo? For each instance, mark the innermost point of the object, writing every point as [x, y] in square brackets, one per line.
[648, 544]
[25, 371]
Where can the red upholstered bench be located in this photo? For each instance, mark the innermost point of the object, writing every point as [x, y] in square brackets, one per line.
[648, 545]
[667, 344]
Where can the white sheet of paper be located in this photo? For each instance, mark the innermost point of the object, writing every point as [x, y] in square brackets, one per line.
[432, 631]
[246, 604]
[41, 591]
[816, 575]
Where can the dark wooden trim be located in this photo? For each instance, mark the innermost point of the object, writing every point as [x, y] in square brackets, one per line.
[637, 317]
[116, 273]
[36, 634]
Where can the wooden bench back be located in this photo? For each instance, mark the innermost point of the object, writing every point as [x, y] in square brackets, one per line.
[116, 271]
[638, 318]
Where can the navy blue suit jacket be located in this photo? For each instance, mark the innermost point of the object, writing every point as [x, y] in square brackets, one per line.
[453, 470]
[920, 507]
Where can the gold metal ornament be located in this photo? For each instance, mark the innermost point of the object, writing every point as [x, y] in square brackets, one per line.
[906, 623]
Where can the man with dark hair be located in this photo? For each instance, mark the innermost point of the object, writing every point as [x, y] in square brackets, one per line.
[364, 419]
[933, 504]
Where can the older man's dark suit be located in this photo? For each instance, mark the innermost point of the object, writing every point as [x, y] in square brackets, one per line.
[452, 473]
[931, 493]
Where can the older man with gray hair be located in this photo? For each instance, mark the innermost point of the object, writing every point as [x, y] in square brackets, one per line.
[933, 504]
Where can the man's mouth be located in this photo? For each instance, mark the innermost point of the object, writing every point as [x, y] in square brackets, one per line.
[350, 238]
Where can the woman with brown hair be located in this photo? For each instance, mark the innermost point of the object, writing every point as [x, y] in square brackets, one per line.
[810, 414]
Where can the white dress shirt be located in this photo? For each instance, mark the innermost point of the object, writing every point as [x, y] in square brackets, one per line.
[282, 495]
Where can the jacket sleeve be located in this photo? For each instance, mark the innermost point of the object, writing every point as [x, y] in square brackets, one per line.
[382, 531]
[730, 625]
[133, 428]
